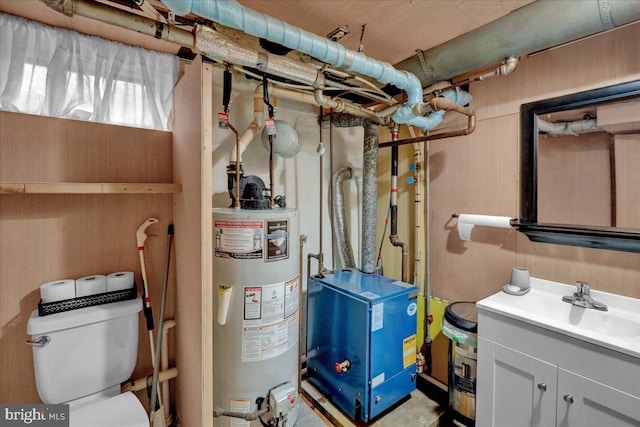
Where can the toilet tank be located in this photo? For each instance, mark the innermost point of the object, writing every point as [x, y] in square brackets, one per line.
[89, 349]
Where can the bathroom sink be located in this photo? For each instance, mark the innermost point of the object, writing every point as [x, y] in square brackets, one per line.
[617, 329]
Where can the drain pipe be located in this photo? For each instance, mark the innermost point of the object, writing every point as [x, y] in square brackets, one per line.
[528, 30]
[393, 235]
[234, 15]
[340, 230]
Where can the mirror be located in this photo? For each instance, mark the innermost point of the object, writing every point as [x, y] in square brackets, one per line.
[580, 169]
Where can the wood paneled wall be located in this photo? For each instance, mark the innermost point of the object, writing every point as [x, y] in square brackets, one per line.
[479, 174]
[574, 179]
[46, 237]
[627, 160]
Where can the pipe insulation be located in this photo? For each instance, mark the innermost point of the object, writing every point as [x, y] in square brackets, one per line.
[537, 26]
[212, 44]
[368, 253]
[568, 128]
[234, 15]
[215, 45]
[340, 228]
[122, 18]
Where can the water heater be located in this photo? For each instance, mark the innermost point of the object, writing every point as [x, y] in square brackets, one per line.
[257, 290]
[361, 350]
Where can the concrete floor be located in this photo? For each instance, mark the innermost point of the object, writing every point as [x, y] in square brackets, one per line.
[417, 411]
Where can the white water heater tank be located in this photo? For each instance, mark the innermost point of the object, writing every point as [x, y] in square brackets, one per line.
[256, 297]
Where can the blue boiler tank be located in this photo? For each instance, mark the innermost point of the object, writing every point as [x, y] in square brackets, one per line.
[361, 350]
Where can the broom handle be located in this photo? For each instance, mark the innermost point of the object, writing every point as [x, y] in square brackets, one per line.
[156, 368]
[141, 237]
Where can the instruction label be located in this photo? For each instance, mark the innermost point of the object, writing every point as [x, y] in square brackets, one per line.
[240, 405]
[291, 296]
[408, 351]
[252, 303]
[377, 317]
[238, 239]
[277, 238]
[270, 325]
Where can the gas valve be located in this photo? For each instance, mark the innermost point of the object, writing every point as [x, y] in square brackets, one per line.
[343, 366]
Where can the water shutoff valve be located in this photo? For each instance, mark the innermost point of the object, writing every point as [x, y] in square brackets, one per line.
[343, 366]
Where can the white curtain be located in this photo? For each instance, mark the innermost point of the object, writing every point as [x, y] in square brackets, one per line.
[60, 73]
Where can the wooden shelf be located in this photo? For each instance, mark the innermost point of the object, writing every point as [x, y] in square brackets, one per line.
[87, 188]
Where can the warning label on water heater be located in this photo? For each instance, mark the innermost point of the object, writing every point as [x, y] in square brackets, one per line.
[270, 325]
[277, 240]
[238, 239]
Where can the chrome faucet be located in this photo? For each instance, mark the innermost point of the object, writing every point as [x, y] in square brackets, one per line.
[582, 298]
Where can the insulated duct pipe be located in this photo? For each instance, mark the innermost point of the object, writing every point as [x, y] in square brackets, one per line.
[369, 197]
[368, 252]
[537, 26]
[122, 18]
[234, 15]
[340, 228]
[212, 44]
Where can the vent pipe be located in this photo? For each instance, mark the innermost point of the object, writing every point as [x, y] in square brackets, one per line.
[537, 26]
[340, 229]
[369, 197]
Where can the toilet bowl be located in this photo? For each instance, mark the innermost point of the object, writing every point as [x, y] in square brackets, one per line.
[123, 410]
[83, 356]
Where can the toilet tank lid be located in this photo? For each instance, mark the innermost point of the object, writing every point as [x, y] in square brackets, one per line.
[82, 316]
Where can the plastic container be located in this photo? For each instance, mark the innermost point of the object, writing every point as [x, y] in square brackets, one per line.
[460, 325]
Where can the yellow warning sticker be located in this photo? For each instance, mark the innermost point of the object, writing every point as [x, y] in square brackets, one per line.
[409, 351]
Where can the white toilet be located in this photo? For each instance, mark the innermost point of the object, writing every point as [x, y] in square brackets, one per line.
[81, 356]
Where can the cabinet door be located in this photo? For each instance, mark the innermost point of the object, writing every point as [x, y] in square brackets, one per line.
[514, 390]
[582, 402]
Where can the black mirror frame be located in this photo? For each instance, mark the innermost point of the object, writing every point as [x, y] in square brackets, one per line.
[619, 239]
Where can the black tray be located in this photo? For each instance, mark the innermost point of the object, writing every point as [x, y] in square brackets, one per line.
[47, 308]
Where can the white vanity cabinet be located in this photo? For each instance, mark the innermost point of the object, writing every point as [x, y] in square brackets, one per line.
[532, 376]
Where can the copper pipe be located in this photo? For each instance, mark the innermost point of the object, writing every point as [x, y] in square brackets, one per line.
[405, 255]
[303, 239]
[441, 103]
[471, 126]
[393, 236]
[321, 155]
[309, 256]
[236, 203]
